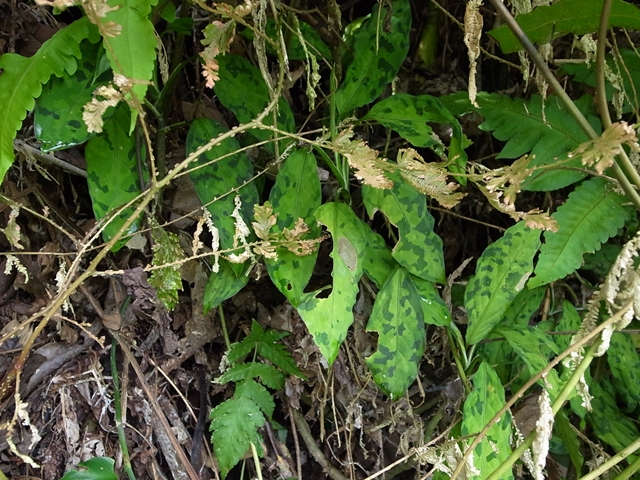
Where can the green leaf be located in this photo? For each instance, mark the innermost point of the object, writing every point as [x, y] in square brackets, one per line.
[591, 215]
[397, 316]
[96, 468]
[419, 248]
[258, 394]
[569, 321]
[380, 46]
[548, 138]
[222, 169]
[562, 428]
[624, 362]
[501, 273]
[22, 78]
[166, 280]
[57, 119]
[526, 303]
[242, 90]
[408, 115]
[132, 52]
[328, 319]
[235, 425]
[378, 263]
[534, 347]
[222, 285]
[486, 399]
[608, 423]
[266, 344]
[434, 309]
[296, 194]
[546, 23]
[268, 374]
[112, 173]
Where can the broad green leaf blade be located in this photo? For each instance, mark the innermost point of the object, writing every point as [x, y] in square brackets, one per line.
[397, 317]
[562, 428]
[258, 394]
[548, 138]
[534, 347]
[545, 23]
[221, 171]
[96, 468]
[569, 321]
[296, 194]
[501, 273]
[57, 119]
[242, 90]
[591, 215]
[419, 248]
[328, 319]
[608, 422]
[378, 263]
[479, 407]
[132, 52]
[22, 78]
[112, 172]
[380, 46]
[434, 309]
[235, 425]
[222, 285]
[624, 362]
[526, 303]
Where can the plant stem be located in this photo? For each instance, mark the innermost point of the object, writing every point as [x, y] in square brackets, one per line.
[126, 462]
[256, 461]
[227, 342]
[617, 458]
[631, 469]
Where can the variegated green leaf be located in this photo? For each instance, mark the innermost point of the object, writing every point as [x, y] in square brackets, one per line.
[112, 172]
[563, 429]
[591, 215]
[296, 194]
[408, 115]
[434, 309]
[625, 367]
[501, 273]
[57, 119]
[419, 248]
[378, 263]
[569, 321]
[242, 90]
[534, 347]
[397, 316]
[380, 46]
[328, 319]
[479, 408]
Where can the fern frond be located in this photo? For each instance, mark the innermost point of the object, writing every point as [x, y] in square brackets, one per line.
[22, 79]
[591, 215]
[270, 376]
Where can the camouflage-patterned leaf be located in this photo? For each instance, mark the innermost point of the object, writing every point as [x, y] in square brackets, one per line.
[380, 46]
[479, 407]
[434, 309]
[526, 303]
[242, 90]
[216, 179]
[625, 367]
[591, 215]
[328, 319]
[562, 428]
[569, 321]
[112, 172]
[501, 273]
[534, 347]
[378, 263]
[397, 317]
[222, 285]
[57, 119]
[419, 248]
[296, 194]
[408, 115]
[608, 422]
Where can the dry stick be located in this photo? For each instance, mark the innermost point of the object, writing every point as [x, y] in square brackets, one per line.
[563, 97]
[158, 411]
[534, 379]
[314, 450]
[296, 442]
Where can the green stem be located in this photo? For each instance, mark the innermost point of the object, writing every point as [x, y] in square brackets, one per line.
[617, 458]
[224, 328]
[256, 461]
[126, 462]
[630, 470]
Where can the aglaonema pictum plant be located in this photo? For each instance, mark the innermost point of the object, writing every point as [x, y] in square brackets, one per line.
[88, 84]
